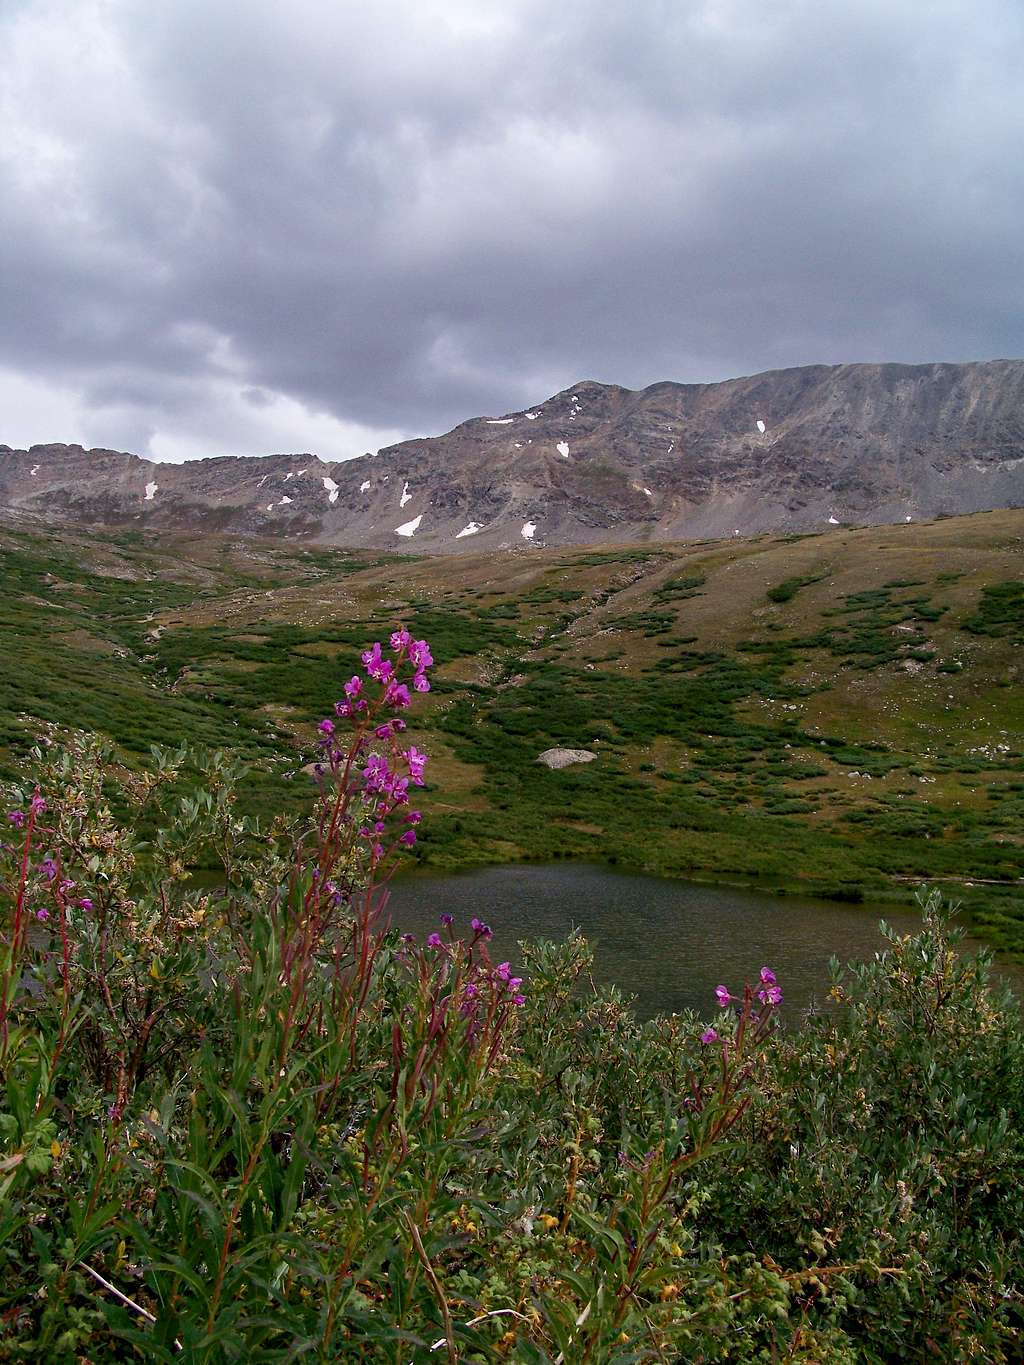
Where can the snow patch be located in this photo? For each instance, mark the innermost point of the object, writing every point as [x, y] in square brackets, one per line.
[563, 449]
[470, 530]
[270, 506]
[529, 530]
[283, 501]
[760, 426]
[647, 491]
[832, 521]
[499, 421]
[908, 518]
[364, 486]
[288, 475]
[671, 447]
[34, 470]
[300, 473]
[332, 490]
[410, 527]
[406, 496]
[531, 416]
[150, 492]
[263, 480]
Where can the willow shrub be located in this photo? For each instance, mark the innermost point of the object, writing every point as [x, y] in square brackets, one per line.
[251, 1122]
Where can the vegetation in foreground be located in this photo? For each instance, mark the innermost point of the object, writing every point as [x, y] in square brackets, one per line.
[253, 1124]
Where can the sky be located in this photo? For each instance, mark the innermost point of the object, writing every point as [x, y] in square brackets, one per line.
[325, 226]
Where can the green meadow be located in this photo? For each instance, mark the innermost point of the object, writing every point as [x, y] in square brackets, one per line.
[838, 714]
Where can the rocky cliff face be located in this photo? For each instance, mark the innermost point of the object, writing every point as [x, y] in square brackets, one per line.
[790, 450]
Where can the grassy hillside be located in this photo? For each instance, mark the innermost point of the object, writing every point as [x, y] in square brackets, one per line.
[841, 713]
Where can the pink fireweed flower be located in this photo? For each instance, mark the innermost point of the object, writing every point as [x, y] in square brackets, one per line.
[420, 683]
[343, 708]
[433, 940]
[353, 687]
[85, 903]
[17, 818]
[37, 804]
[417, 762]
[413, 818]
[42, 914]
[420, 656]
[372, 657]
[514, 982]
[399, 639]
[397, 695]
[398, 725]
[768, 976]
[408, 838]
[722, 996]
[503, 971]
[770, 996]
[479, 928]
[326, 728]
[447, 920]
[471, 992]
[48, 868]
[709, 1036]
[519, 1000]
[383, 732]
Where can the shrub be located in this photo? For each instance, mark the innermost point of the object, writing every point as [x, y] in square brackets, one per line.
[248, 1121]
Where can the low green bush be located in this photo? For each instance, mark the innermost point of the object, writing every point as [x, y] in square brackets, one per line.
[244, 1120]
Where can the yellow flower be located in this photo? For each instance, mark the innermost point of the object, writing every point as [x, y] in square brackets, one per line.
[548, 1221]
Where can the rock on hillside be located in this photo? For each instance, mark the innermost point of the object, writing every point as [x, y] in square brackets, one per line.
[790, 450]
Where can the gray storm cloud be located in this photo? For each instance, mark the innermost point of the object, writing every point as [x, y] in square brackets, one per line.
[323, 225]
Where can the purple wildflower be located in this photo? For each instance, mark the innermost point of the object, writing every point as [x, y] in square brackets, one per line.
[420, 656]
[417, 761]
[17, 818]
[326, 728]
[420, 683]
[397, 695]
[722, 996]
[85, 903]
[503, 971]
[48, 868]
[37, 804]
[399, 639]
[768, 976]
[43, 914]
[408, 838]
[709, 1036]
[519, 1000]
[433, 940]
[383, 732]
[354, 687]
[447, 920]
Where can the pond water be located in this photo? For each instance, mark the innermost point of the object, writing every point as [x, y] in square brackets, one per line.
[668, 943]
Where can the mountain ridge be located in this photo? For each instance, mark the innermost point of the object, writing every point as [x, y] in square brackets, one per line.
[790, 450]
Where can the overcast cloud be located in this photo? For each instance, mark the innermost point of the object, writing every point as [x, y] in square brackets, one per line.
[322, 225]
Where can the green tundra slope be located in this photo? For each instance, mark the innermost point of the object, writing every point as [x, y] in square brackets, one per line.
[839, 713]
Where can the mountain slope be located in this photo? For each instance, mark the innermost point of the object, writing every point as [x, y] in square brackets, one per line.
[789, 450]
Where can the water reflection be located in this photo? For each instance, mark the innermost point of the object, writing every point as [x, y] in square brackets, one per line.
[668, 943]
